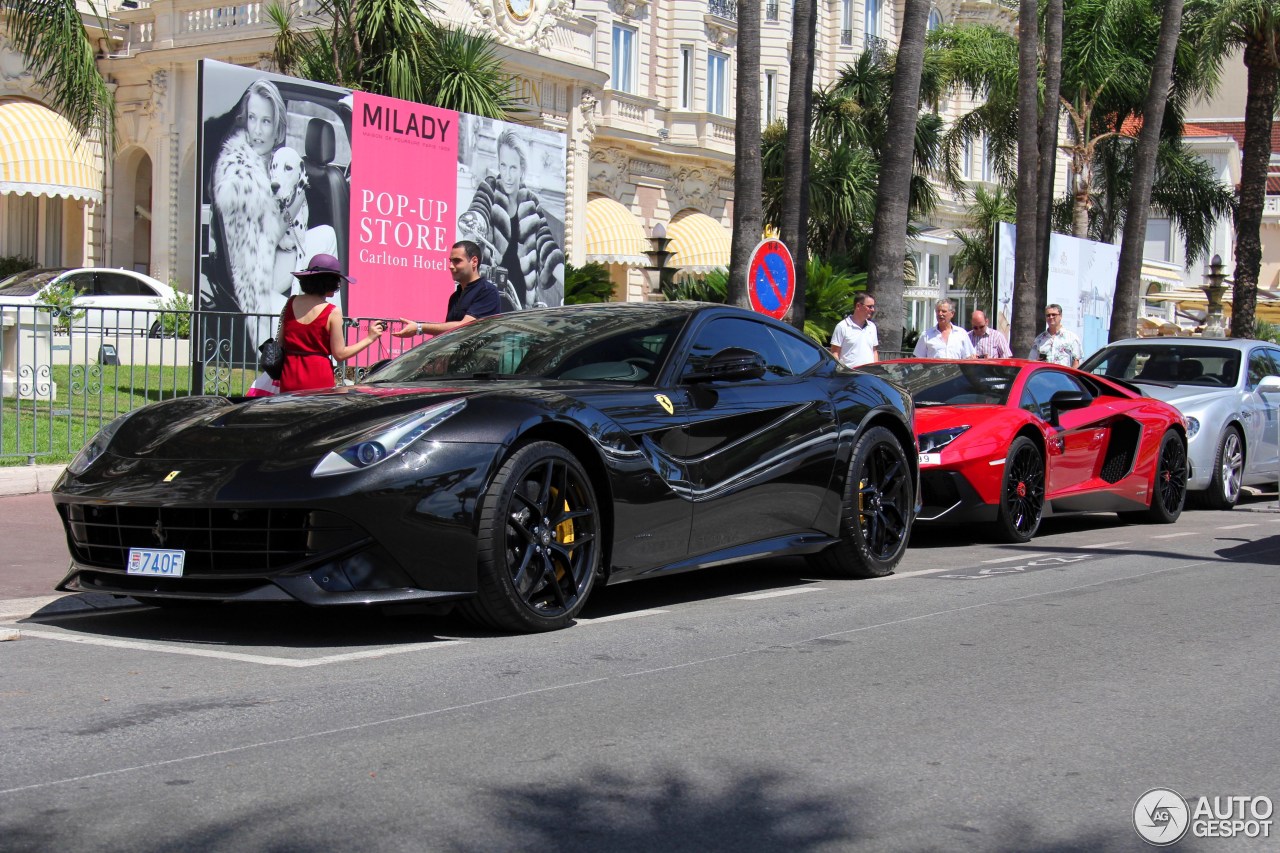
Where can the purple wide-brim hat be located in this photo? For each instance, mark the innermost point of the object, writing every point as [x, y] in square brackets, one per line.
[324, 265]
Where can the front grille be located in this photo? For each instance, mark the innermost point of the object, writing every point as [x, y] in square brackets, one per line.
[220, 542]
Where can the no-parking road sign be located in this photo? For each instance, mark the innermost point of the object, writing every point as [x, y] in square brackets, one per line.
[771, 279]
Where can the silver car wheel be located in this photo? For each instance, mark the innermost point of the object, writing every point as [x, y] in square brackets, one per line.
[1232, 461]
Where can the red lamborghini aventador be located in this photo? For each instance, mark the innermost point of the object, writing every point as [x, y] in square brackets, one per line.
[1007, 442]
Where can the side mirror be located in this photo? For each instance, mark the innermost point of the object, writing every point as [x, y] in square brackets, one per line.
[1063, 400]
[732, 364]
[1269, 385]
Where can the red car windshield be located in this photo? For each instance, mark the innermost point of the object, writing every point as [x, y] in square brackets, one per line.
[950, 384]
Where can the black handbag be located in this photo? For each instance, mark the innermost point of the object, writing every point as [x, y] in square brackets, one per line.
[270, 353]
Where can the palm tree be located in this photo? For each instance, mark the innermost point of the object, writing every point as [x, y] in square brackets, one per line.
[51, 35]
[1025, 268]
[889, 234]
[1254, 26]
[748, 216]
[1050, 112]
[394, 48]
[974, 264]
[1124, 305]
[793, 219]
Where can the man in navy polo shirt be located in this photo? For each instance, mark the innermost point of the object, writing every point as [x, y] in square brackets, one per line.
[475, 297]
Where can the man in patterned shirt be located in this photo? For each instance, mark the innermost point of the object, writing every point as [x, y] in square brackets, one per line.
[987, 342]
[1056, 344]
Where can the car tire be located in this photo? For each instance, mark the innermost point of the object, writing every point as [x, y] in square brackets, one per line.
[1228, 472]
[539, 542]
[876, 512]
[1169, 489]
[1021, 504]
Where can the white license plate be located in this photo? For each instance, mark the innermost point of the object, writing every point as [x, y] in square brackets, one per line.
[930, 458]
[156, 561]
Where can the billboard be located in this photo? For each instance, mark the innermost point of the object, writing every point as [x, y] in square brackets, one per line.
[289, 169]
[1082, 279]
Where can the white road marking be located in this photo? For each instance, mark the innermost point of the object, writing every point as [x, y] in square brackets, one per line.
[1175, 535]
[1018, 557]
[264, 660]
[916, 573]
[778, 593]
[1235, 526]
[618, 617]
[1108, 544]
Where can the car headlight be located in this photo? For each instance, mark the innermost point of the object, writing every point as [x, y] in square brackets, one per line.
[931, 442]
[1193, 427]
[96, 446]
[372, 449]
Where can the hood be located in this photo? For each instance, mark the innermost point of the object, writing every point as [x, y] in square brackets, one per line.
[933, 418]
[289, 427]
[1184, 397]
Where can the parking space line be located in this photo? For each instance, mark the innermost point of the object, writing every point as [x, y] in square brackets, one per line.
[778, 593]
[1235, 526]
[1118, 542]
[914, 574]
[263, 660]
[1175, 535]
[618, 617]
[1018, 557]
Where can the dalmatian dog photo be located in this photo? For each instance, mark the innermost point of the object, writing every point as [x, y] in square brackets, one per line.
[289, 187]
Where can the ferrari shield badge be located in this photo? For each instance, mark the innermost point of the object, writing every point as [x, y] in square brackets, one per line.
[665, 402]
[171, 475]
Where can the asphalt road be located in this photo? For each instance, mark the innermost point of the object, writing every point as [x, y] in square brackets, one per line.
[987, 697]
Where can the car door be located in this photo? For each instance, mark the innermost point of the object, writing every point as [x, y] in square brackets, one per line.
[131, 298]
[759, 452]
[1078, 441]
[1262, 456]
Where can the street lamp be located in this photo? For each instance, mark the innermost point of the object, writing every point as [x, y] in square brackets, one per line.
[1216, 276]
[662, 276]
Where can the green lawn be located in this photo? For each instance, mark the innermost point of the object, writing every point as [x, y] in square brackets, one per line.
[88, 397]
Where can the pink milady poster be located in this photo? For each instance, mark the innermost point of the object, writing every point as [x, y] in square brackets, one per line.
[403, 190]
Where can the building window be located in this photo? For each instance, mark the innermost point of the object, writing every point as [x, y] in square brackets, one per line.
[872, 11]
[770, 97]
[988, 170]
[624, 58]
[1158, 245]
[686, 77]
[966, 160]
[771, 10]
[935, 20]
[717, 82]
[846, 23]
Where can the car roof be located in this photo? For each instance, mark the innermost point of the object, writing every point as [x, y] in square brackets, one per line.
[1230, 343]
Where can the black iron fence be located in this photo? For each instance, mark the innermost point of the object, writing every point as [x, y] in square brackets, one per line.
[66, 373]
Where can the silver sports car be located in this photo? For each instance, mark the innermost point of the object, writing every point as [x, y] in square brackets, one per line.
[1229, 391]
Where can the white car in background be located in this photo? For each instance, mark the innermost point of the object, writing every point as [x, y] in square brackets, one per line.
[112, 299]
[1229, 391]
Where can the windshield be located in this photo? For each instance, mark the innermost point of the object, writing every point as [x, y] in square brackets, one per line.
[949, 384]
[583, 344]
[28, 282]
[1169, 363]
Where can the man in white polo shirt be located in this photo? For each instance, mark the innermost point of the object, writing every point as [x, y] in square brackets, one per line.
[854, 340]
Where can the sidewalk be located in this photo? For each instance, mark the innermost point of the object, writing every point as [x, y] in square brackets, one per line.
[28, 479]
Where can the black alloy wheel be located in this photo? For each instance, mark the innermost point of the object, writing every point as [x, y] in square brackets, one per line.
[1021, 492]
[1169, 491]
[878, 509]
[539, 543]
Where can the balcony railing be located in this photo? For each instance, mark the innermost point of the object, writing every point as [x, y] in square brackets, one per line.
[723, 9]
[846, 38]
[166, 23]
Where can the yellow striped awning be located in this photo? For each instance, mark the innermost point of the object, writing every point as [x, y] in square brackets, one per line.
[614, 234]
[42, 154]
[700, 243]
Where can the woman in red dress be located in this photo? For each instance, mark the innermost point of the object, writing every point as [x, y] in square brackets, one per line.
[312, 329]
